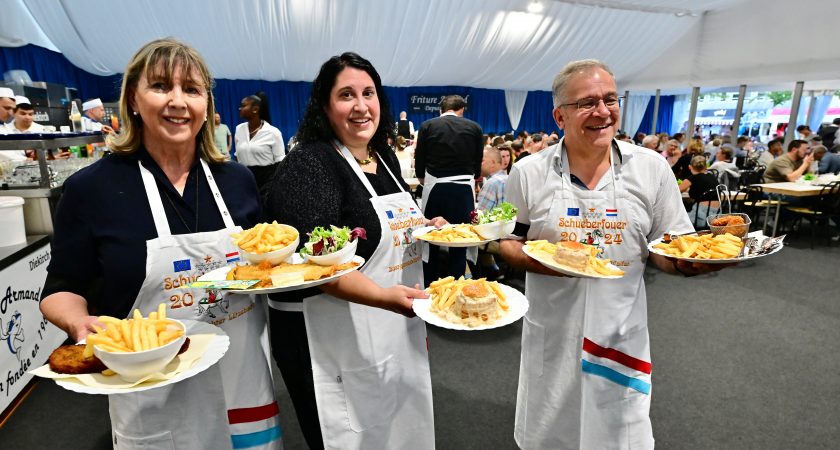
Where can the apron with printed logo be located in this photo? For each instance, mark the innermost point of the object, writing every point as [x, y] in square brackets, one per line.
[370, 367]
[585, 368]
[201, 412]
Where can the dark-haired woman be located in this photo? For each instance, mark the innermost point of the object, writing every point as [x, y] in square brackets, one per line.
[259, 145]
[357, 369]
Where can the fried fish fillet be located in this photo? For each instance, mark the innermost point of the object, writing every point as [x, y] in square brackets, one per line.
[264, 270]
[69, 359]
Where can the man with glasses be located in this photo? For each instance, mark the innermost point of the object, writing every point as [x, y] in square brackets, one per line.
[584, 378]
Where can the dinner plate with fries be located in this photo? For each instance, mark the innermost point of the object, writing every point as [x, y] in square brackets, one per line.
[543, 252]
[451, 235]
[706, 247]
[515, 302]
[220, 275]
[214, 347]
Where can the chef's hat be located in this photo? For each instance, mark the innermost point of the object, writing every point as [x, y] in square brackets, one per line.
[90, 104]
[21, 100]
[6, 92]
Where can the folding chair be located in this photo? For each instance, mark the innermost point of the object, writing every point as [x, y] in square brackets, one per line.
[826, 207]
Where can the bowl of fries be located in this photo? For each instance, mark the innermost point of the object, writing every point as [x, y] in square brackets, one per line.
[736, 224]
[495, 230]
[272, 242]
[137, 347]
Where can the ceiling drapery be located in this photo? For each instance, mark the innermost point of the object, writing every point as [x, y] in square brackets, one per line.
[495, 44]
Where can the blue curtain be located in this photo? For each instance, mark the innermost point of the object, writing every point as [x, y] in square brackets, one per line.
[663, 119]
[536, 116]
[287, 99]
[53, 67]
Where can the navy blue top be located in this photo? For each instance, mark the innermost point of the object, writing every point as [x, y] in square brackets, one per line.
[103, 221]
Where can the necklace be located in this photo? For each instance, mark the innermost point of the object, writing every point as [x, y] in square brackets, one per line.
[252, 133]
[177, 213]
[368, 160]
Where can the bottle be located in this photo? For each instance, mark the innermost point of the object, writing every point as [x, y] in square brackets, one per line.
[75, 118]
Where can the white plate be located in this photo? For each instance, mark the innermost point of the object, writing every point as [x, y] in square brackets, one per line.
[553, 265]
[518, 306]
[419, 232]
[221, 274]
[214, 352]
[756, 234]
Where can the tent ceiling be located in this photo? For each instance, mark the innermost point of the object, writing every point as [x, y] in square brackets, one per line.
[479, 43]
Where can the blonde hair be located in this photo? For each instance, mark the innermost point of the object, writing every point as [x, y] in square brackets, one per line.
[161, 58]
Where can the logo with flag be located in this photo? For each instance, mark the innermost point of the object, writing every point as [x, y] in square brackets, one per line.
[573, 212]
[612, 212]
[232, 257]
[181, 265]
[616, 366]
[412, 211]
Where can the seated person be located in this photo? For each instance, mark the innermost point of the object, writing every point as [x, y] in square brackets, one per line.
[491, 195]
[829, 162]
[698, 185]
[727, 171]
[681, 167]
[791, 165]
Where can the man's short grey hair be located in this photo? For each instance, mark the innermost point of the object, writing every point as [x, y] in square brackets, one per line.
[494, 154]
[650, 139]
[573, 68]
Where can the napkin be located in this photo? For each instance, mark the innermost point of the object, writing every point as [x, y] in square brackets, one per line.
[181, 363]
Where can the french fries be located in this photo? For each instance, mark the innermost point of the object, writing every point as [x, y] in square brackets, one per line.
[265, 237]
[706, 246]
[132, 335]
[545, 250]
[445, 291]
[458, 233]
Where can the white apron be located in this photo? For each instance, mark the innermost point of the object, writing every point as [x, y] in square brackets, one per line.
[370, 367]
[430, 181]
[585, 370]
[200, 412]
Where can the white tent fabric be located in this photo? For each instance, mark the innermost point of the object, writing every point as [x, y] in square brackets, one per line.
[515, 103]
[636, 106]
[495, 44]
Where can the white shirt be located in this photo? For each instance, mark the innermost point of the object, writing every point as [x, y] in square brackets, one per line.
[17, 155]
[647, 179]
[89, 124]
[264, 149]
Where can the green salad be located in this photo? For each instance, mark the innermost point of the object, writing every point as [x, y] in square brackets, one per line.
[502, 213]
[323, 241]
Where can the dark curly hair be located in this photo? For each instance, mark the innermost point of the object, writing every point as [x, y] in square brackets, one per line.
[315, 126]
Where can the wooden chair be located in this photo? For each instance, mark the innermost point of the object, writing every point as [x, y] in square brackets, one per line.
[826, 207]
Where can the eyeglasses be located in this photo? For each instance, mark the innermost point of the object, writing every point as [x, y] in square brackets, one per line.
[589, 104]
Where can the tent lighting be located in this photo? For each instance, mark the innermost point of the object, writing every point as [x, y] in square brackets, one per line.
[535, 6]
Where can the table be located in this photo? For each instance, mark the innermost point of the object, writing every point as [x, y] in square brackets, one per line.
[787, 188]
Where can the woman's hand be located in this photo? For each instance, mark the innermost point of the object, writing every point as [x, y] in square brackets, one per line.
[436, 222]
[399, 299]
[83, 326]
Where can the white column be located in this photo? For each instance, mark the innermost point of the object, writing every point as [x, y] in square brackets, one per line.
[794, 111]
[736, 123]
[692, 111]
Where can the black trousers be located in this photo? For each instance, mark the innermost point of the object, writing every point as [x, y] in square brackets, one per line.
[290, 349]
[453, 202]
[264, 175]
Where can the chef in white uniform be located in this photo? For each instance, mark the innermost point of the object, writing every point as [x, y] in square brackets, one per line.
[23, 122]
[7, 106]
[585, 372]
[94, 113]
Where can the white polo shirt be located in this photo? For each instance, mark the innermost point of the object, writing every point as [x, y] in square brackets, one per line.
[264, 149]
[646, 177]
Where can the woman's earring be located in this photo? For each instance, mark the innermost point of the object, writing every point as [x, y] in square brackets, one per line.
[134, 112]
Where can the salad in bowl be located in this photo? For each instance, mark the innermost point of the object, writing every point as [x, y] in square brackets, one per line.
[496, 222]
[333, 245]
